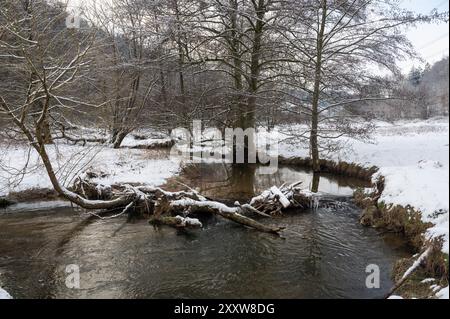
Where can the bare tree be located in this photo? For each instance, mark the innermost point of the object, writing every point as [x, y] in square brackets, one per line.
[125, 74]
[47, 62]
[171, 61]
[341, 47]
[240, 42]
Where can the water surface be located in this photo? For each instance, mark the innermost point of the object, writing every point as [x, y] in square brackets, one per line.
[324, 253]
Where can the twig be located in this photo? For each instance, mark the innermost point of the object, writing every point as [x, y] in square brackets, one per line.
[411, 270]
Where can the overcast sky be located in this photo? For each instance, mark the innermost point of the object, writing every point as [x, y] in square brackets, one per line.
[430, 40]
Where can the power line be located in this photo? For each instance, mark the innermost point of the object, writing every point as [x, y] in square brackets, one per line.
[441, 4]
[440, 52]
[434, 41]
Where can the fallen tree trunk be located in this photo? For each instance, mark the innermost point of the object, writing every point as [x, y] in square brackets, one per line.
[152, 146]
[163, 205]
[122, 197]
[234, 214]
[76, 140]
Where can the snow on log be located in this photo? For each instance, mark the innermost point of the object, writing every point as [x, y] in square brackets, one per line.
[276, 199]
[231, 213]
[4, 294]
[281, 197]
[177, 221]
[164, 206]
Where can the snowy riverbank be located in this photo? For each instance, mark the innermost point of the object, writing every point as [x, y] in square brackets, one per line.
[413, 156]
[4, 294]
[125, 165]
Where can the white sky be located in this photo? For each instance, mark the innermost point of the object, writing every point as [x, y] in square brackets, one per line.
[430, 40]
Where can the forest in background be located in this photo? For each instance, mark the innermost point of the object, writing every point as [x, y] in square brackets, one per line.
[130, 64]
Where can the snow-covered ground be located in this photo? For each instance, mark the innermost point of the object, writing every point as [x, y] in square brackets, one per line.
[4, 294]
[121, 165]
[443, 293]
[413, 156]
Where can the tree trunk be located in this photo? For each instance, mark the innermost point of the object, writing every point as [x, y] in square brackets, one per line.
[243, 180]
[234, 214]
[239, 107]
[247, 117]
[315, 182]
[314, 144]
[46, 133]
[118, 139]
[181, 55]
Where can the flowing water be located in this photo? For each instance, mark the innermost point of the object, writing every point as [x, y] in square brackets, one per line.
[323, 253]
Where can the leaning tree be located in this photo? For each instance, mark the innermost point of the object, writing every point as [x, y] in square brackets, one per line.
[47, 60]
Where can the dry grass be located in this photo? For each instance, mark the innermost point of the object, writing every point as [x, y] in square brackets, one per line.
[337, 168]
[408, 222]
[4, 202]
[396, 219]
[434, 266]
[33, 194]
[157, 153]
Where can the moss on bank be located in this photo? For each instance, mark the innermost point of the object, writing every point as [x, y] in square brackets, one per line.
[337, 168]
[397, 219]
[29, 195]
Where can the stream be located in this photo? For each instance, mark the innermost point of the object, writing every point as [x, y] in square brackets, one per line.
[323, 253]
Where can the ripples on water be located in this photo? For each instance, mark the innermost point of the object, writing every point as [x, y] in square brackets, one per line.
[324, 254]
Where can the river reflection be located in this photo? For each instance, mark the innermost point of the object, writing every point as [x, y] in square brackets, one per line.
[242, 182]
